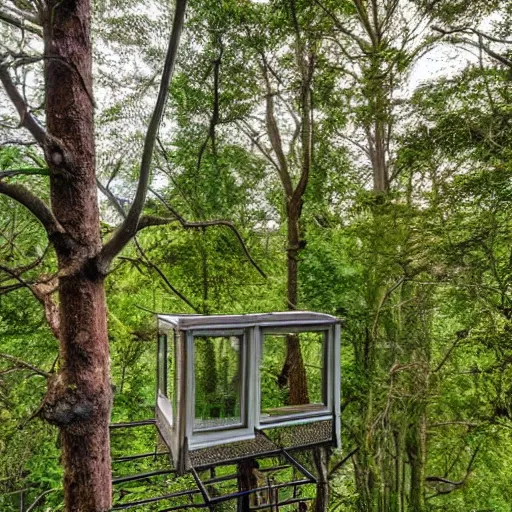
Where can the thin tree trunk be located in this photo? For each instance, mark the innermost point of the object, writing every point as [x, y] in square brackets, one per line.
[247, 480]
[417, 451]
[293, 373]
[379, 163]
[321, 458]
[79, 398]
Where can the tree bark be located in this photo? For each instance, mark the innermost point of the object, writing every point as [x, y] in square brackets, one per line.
[321, 458]
[294, 372]
[79, 397]
[247, 480]
[416, 448]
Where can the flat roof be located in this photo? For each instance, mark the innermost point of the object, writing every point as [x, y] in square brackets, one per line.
[184, 322]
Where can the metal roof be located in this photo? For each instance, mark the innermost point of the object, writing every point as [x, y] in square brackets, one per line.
[285, 318]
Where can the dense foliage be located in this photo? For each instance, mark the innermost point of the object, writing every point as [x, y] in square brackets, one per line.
[405, 228]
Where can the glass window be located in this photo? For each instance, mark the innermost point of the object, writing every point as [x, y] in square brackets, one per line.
[292, 373]
[218, 381]
[162, 366]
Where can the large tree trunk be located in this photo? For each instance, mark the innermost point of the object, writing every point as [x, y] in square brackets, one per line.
[79, 398]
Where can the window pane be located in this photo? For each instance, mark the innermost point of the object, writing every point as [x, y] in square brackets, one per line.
[292, 376]
[217, 369]
[162, 342]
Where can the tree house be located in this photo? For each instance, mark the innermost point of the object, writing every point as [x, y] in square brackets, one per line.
[231, 387]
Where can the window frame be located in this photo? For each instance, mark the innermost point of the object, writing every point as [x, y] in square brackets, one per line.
[243, 364]
[162, 365]
[328, 375]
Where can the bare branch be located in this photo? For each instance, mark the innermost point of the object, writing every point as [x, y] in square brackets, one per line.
[23, 13]
[128, 228]
[23, 364]
[20, 23]
[253, 137]
[147, 221]
[39, 498]
[363, 148]
[363, 16]
[144, 222]
[22, 59]
[17, 142]
[339, 464]
[38, 171]
[27, 120]
[496, 56]
[471, 30]
[360, 42]
[207, 223]
[461, 335]
[275, 137]
[36, 206]
[4, 290]
[42, 291]
[146, 261]
[111, 197]
[453, 485]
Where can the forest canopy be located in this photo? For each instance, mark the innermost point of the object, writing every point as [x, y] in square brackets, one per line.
[352, 157]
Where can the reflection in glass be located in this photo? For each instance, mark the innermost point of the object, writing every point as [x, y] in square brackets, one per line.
[162, 369]
[292, 359]
[217, 370]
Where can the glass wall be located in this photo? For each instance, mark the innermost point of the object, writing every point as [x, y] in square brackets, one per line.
[219, 386]
[292, 373]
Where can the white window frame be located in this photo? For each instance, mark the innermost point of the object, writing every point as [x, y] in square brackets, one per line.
[218, 435]
[328, 375]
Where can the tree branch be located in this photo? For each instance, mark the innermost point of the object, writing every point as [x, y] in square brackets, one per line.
[20, 23]
[42, 291]
[36, 206]
[144, 222]
[466, 30]
[250, 132]
[460, 335]
[341, 462]
[496, 56]
[275, 135]
[453, 484]
[128, 228]
[27, 120]
[157, 269]
[23, 364]
[38, 171]
[39, 498]
[360, 42]
[4, 290]
[111, 197]
[147, 221]
[207, 223]
[214, 119]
